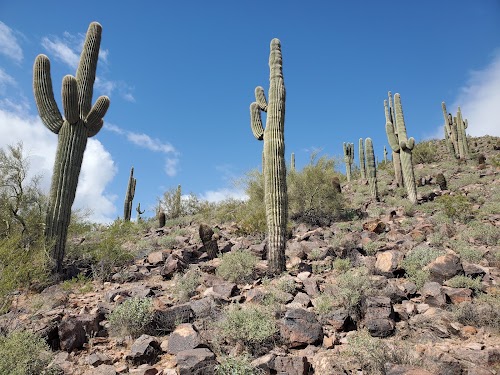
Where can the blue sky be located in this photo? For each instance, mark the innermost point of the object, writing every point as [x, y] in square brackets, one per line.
[181, 76]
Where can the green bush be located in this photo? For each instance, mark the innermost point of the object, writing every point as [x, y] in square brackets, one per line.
[251, 216]
[311, 195]
[186, 284]
[460, 281]
[416, 260]
[424, 153]
[240, 365]
[351, 287]
[250, 324]
[483, 311]
[455, 207]
[237, 266]
[131, 318]
[466, 251]
[342, 264]
[24, 353]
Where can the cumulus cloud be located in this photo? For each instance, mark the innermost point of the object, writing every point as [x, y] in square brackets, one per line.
[152, 144]
[62, 51]
[222, 194]
[479, 100]
[40, 144]
[9, 46]
[5, 80]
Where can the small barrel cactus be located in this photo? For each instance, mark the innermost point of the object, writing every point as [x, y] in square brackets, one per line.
[441, 181]
[208, 240]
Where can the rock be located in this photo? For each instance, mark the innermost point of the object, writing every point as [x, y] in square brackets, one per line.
[144, 370]
[202, 307]
[458, 295]
[388, 261]
[75, 331]
[302, 299]
[311, 287]
[291, 365]
[102, 370]
[166, 319]
[376, 226]
[444, 267]
[144, 350]
[338, 319]
[378, 316]
[300, 327]
[184, 337]
[224, 290]
[198, 361]
[393, 369]
[380, 327]
[433, 295]
[264, 363]
[157, 257]
[172, 265]
[97, 359]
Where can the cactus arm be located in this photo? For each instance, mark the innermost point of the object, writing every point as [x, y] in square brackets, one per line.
[44, 95]
[70, 99]
[260, 98]
[391, 137]
[94, 120]
[371, 168]
[85, 75]
[256, 121]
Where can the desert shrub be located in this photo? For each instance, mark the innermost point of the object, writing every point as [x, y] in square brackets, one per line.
[311, 196]
[286, 284]
[483, 311]
[24, 353]
[373, 353]
[416, 260]
[324, 303]
[351, 287]
[460, 281]
[251, 215]
[342, 264]
[79, 284]
[240, 365]
[483, 232]
[466, 251]
[250, 324]
[186, 284]
[424, 152]
[455, 207]
[132, 317]
[237, 266]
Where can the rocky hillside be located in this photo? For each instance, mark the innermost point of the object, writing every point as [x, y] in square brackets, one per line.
[400, 289]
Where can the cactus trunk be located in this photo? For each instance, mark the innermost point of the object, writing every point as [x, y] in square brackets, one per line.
[392, 132]
[371, 168]
[129, 196]
[274, 158]
[362, 159]
[348, 159]
[81, 121]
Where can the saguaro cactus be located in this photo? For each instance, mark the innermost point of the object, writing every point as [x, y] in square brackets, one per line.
[274, 157]
[404, 145]
[385, 155]
[362, 159]
[81, 121]
[348, 159]
[450, 132]
[390, 118]
[292, 162]
[129, 196]
[371, 169]
[463, 146]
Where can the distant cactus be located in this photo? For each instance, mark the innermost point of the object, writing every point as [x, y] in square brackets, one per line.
[292, 162]
[81, 121]
[405, 146]
[450, 132]
[362, 159]
[209, 242]
[162, 219]
[129, 196]
[177, 203]
[371, 169]
[348, 159]
[139, 211]
[385, 155]
[392, 131]
[273, 158]
[463, 146]
[441, 181]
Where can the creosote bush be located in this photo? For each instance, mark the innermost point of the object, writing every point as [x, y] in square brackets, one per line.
[455, 207]
[237, 266]
[461, 281]
[186, 284]
[414, 262]
[132, 317]
[24, 353]
[240, 365]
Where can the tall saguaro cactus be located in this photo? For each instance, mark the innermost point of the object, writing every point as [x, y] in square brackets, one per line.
[390, 118]
[404, 145]
[129, 196]
[362, 159]
[292, 162]
[371, 169]
[454, 133]
[81, 121]
[274, 170]
[348, 159]
[463, 147]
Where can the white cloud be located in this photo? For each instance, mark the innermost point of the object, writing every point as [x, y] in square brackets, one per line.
[5, 80]
[40, 145]
[9, 45]
[62, 51]
[479, 100]
[222, 194]
[152, 144]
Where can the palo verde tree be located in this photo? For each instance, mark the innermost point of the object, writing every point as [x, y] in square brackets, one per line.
[81, 120]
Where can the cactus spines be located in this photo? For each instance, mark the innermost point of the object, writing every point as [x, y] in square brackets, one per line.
[362, 159]
[392, 136]
[129, 196]
[208, 240]
[274, 167]
[406, 146]
[292, 162]
[81, 121]
[348, 159]
[371, 169]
